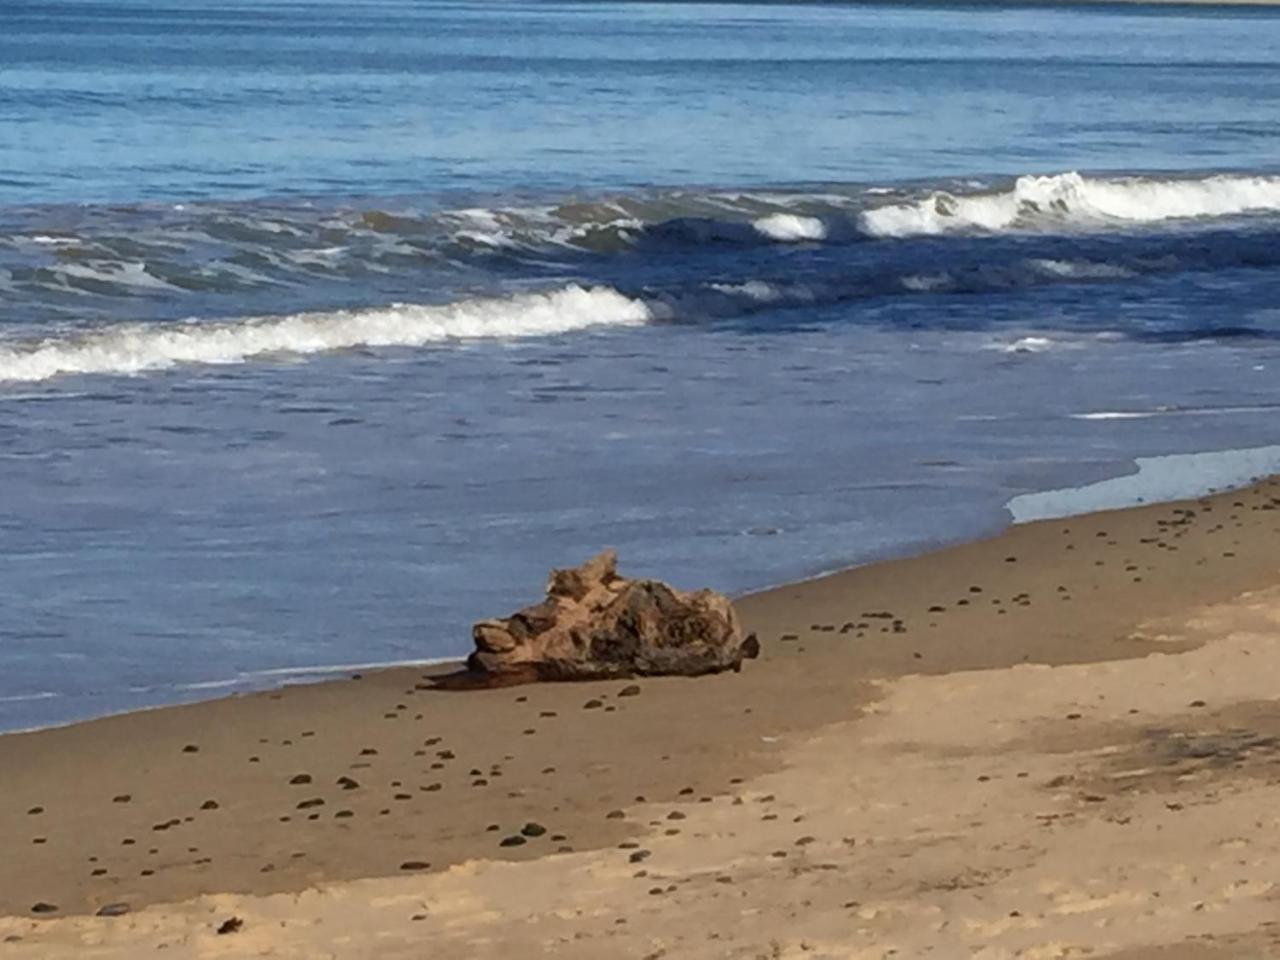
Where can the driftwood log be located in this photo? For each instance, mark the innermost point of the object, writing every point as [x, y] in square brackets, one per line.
[595, 624]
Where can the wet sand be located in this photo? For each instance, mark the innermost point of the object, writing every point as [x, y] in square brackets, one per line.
[1060, 739]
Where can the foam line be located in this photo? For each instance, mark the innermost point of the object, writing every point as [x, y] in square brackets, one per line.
[135, 348]
[1072, 199]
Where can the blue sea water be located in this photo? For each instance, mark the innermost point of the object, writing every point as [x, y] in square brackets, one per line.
[326, 328]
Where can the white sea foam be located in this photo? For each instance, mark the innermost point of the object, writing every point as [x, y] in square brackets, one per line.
[790, 227]
[1267, 408]
[27, 697]
[1080, 269]
[756, 290]
[927, 282]
[1072, 198]
[1029, 345]
[137, 347]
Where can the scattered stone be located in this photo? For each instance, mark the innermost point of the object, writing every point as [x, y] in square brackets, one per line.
[533, 829]
[300, 779]
[42, 907]
[415, 865]
[230, 925]
[346, 783]
[630, 691]
[209, 805]
[113, 910]
[190, 748]
[513, 841]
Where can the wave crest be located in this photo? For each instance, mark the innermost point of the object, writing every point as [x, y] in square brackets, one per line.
[1072, 199]
[134, 348]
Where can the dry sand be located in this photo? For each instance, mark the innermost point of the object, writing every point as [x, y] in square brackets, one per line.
[1060, 742]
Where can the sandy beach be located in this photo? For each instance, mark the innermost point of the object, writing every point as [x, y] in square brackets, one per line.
[1061, 741]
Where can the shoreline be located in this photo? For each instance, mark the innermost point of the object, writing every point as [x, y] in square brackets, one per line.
[321, 787]
[1149, 483]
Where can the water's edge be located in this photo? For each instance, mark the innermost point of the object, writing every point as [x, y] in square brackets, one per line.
[1153, 480]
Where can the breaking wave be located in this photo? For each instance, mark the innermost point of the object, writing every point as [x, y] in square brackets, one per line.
[1069, 199]
[134, 348]
[101, 290]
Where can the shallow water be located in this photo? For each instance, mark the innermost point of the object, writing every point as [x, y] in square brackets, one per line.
[325, 329]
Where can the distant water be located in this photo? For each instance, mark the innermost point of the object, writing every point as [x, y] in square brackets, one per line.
[326, 328]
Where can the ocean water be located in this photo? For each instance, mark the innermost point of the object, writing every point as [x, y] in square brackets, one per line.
[327, 328]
